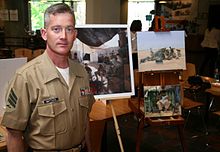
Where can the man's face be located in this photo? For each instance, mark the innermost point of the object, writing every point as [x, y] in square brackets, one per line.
[60, 33]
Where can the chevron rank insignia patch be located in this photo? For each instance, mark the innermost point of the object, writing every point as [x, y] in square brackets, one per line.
[11, 101]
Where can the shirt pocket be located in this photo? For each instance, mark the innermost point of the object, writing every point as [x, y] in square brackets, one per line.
[52, 118]
[84, 107]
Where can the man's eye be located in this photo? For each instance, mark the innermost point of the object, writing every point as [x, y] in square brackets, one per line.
[69, 29]
[56, 29]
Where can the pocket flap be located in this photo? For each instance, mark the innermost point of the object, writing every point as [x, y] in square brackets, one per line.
[83, 101]
[52, 110]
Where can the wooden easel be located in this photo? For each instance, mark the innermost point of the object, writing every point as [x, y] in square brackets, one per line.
[136, 104]
[152, 79]
[117, 129]
[160, 24]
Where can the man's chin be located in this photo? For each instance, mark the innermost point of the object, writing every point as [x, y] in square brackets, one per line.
[64, 48]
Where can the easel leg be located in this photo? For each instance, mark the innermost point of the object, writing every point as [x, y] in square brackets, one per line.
[104, 137]
[139, 134]
[182, 140]
[116, 127]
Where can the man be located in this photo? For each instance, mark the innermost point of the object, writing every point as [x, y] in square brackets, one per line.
[48, 100]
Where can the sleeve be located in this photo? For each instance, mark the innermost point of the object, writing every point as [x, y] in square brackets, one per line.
[17, 110]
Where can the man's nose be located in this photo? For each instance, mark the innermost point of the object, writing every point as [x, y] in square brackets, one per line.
[63, 34]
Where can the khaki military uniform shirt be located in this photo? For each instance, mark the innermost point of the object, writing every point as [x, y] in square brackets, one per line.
[52, 114]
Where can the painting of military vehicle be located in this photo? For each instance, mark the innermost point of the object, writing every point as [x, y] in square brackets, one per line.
[159, 51]
[162, 54]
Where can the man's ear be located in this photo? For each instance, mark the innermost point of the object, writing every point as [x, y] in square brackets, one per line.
[43, 33]
[75, 35]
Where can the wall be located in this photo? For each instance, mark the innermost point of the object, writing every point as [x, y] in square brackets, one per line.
[16, 28]
[124, 12]
[2, 6]
[203, 9]
[98, 12]
[102, 11]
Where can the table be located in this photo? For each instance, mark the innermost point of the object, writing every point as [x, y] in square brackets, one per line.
[102, 110]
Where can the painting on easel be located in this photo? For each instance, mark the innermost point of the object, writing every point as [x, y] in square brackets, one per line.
[162, 101]
[158, 51]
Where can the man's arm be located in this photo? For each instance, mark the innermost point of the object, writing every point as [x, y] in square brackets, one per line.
[14, 140]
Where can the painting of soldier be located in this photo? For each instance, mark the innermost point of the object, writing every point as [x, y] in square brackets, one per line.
[162, 101]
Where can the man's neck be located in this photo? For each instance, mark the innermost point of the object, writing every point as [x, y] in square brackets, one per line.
[60, 61]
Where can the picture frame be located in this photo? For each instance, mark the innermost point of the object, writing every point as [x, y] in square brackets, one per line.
[160, 51]
[162, 101]
[105, 51]
[180, 9]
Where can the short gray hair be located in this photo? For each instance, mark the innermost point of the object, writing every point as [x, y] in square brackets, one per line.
[56, 9]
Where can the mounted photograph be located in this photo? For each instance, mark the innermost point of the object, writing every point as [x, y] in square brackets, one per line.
[105, 51]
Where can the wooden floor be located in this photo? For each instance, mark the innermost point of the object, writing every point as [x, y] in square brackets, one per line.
[101, 112]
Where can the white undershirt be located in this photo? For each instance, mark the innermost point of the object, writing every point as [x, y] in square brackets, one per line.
[64, 73]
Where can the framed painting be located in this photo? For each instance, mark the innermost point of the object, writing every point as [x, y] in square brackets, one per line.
[105, 51]
[162, 101]
[180, 9]
[159, 51]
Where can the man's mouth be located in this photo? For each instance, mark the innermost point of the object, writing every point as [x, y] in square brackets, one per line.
[62, 44]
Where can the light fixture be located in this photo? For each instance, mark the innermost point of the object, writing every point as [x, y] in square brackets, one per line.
[162, 2]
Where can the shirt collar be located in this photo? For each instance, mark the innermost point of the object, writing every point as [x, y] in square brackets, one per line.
[50, 72]
[76, 68]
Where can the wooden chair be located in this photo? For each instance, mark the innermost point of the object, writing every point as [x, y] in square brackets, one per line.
[188, 104]
[213, 94]
[190, 71]
[218, 114]
[23, 52]
[19, 53]
[188, 88]
[38, 52]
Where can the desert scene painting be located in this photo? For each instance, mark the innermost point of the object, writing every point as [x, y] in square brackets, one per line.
[158, 51]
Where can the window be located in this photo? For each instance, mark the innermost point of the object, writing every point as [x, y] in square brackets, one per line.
[37, 8]
[138, 9]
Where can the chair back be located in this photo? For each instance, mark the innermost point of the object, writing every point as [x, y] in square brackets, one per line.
[23, 52]
[19, 53]
[38, 52]
[190, 71]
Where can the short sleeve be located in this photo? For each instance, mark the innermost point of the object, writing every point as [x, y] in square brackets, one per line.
[17, 104]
